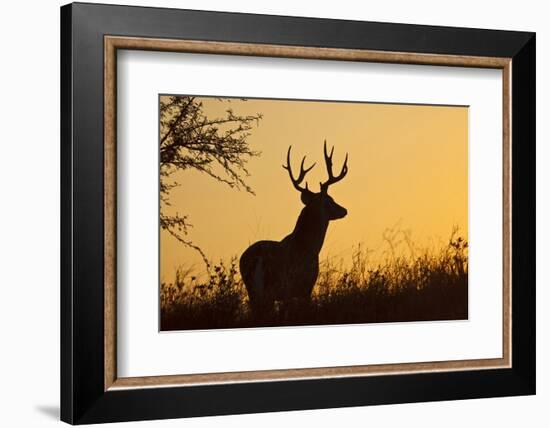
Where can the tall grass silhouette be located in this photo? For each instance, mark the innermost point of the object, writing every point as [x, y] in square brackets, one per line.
[419, 284]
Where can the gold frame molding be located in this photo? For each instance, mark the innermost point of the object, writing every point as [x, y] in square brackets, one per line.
[113, 43]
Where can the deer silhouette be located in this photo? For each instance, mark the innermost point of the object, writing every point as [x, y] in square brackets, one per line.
[287, 270]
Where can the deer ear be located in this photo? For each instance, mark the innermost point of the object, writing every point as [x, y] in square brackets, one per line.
[306, 196]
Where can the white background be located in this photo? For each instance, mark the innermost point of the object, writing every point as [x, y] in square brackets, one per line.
[29, 220]
[142, 351]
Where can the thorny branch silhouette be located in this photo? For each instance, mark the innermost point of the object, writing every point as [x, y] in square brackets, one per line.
[217, 147]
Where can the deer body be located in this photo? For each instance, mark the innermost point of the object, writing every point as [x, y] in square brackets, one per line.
[282, 271]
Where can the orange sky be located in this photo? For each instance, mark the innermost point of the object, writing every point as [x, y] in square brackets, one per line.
[408, 165]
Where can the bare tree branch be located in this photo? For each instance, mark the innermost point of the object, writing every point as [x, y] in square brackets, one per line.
[217, 147]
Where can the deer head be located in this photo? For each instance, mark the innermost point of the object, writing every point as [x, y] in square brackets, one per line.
[320, 203]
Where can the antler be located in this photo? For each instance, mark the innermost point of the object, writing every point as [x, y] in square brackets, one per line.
[328, 161]
[297, 181]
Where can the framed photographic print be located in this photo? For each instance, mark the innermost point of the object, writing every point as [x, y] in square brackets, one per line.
[266, 213]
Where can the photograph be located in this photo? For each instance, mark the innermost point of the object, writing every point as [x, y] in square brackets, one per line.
[277, 210]
[291, 212]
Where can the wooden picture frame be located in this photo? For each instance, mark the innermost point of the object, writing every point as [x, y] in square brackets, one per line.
[91, 391]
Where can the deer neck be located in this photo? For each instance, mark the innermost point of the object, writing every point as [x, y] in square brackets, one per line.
[309, 233]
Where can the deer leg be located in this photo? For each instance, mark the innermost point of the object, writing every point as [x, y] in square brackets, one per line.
[262, 309]
[297, 309]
